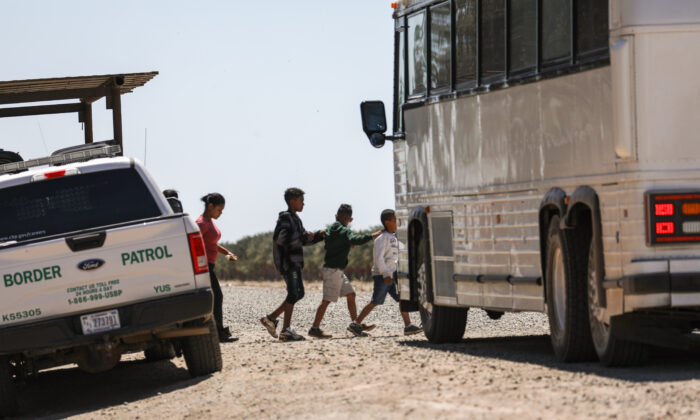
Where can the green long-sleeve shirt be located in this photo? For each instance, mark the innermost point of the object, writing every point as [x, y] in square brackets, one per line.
[338, 240]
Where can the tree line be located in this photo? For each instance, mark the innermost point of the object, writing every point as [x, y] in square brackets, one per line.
[255, 259]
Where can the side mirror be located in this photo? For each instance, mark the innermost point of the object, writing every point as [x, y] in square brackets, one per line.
[374, 122]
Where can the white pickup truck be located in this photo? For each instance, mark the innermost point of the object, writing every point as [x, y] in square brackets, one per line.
[94, 263]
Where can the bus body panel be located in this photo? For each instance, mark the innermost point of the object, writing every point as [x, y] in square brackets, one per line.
[626, 13]
[534, 132]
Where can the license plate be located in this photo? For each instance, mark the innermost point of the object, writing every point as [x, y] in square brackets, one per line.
[101, 321]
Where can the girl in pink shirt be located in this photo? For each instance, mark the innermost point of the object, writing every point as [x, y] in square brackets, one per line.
[213, 207]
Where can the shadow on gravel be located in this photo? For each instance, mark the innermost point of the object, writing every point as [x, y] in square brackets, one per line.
[664, 365]
[68, 392]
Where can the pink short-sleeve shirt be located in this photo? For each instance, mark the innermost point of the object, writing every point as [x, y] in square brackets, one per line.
[211, 235]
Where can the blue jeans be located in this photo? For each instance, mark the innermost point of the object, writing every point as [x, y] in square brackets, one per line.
[295, 287]
[381, 289]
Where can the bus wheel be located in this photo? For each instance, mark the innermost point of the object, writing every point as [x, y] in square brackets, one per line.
[611, 351]
[441, 324]
[567, 299]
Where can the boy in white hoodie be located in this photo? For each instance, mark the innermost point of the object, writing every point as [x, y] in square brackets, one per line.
[386, 258]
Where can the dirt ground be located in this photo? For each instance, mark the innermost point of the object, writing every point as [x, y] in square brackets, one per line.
[502, 369]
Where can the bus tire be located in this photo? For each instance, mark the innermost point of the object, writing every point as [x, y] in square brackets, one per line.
[611, 350]
[202, 352]
[567, 296]
[441, 324]
[160, 351]
[8, 389]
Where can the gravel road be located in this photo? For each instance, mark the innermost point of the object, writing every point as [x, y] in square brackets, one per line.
[502, 369]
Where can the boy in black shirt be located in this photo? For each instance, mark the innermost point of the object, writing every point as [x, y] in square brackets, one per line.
[289, 238]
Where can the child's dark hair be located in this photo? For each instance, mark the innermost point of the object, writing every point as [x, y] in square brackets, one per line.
[387, 214]
[344, 211]
[170, 193]
[213, 198]
[292, 193]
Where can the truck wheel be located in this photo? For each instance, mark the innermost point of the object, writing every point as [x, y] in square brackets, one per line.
[160, 351]
[611, 351]
[567, 299]
[202, 352]
[8, 389]
[441, 324]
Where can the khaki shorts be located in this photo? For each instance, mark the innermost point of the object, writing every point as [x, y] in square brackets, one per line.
[335, 284]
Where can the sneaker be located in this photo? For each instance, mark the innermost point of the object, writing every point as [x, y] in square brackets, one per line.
[318, 333]
[411, 329]
[369, 327]
[356, 330]
[288, 334]
[270, 325]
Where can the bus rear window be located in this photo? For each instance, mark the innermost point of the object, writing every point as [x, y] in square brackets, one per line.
[73, 203]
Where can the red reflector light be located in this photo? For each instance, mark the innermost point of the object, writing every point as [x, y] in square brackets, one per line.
[199, 254]
[55, 174]
[690, 209]
[665, 228]
[394, 4]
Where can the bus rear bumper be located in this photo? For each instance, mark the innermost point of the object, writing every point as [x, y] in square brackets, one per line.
[659, 284]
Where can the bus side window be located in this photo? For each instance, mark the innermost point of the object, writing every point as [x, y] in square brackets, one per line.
[417, 66]
[440, 47]
[400, 72]
[492, 63]
[465, 43]
[591, 29]
[556, 31]
[522, 37]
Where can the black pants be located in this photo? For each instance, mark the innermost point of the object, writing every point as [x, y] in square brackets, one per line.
[218, 299]
[295, 286]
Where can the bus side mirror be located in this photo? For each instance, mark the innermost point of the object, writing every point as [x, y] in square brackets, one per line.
[374, 122]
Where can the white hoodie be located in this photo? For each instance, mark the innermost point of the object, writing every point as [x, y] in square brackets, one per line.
[386, 255]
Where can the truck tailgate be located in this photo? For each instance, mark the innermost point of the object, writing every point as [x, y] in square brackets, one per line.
[137, 262]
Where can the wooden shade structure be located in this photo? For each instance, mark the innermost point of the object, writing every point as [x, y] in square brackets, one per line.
[86, 89]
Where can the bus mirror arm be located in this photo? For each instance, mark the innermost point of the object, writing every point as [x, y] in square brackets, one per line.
[396, 137]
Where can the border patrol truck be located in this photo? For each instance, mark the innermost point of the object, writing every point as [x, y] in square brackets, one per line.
[94, 263]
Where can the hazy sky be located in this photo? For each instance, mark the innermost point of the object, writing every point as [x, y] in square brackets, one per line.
[252, 97]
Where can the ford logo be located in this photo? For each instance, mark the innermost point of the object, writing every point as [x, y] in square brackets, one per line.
[91, 264]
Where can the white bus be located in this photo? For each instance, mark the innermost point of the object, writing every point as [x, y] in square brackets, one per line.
[547, 158]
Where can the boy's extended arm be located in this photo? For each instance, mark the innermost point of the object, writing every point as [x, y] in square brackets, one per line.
[378, 254]
[358, 238]
[311, 238]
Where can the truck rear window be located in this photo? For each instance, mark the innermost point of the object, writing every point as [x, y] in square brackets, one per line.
[73, 203]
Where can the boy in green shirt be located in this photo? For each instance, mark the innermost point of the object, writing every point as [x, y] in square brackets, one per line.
[338, 241]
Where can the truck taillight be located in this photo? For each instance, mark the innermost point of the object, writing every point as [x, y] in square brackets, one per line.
[199, 254]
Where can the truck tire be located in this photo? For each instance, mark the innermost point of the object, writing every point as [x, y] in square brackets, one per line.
[202, 352]
[567, 295]
[8, 389]
[611, 350]
[441, 324]
[160, 351]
